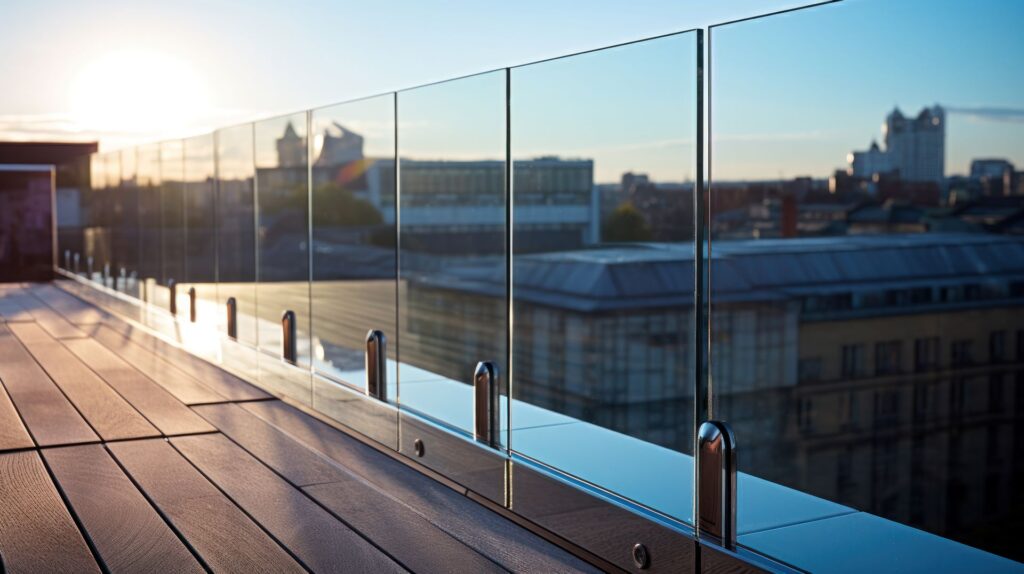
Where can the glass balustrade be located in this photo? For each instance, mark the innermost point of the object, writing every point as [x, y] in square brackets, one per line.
[519, 280]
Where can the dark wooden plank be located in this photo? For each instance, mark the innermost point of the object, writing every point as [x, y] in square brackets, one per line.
[501, 540]
[39, 312]
[70, 307]
[410, 538]
[109, 414]
[37, 534]
[180, 384]
[54, 323]
[225, 538]
[46, 412]
[298, 464]
[126, 531]
[13, 434]
[221, 381]
[167, 413]
[14, 306]
[319, 540]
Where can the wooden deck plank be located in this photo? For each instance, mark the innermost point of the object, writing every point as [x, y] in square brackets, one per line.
[225, 538]
[14, 306]
[319, 540]
[165, 412]
[54, 323]
[501, 540]
[410, 538]
[46, 412]
[13, 434]
[281, 452]
[37, 534]
[180, 384]
[108, 414]
[72, 308]
[126, 531]
[221, 381]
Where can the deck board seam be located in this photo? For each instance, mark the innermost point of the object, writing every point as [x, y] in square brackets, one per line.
[74, 515]
[230, 499]
[61, 389]
[302, 489]
[159, 512]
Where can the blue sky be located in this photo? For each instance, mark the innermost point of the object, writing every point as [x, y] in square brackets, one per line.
[792, 93]
[179, 68]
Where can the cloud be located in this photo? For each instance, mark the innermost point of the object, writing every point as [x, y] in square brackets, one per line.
[989, 113]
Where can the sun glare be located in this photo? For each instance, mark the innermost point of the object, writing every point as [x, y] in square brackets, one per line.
[138, 94]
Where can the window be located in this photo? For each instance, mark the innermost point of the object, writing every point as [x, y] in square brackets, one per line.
[960, 353]
[804, 413]
[887, 357]
[995, 393]
[997, 347]
[926, 354]
[853, 361]
[809, 370]
[887, 408]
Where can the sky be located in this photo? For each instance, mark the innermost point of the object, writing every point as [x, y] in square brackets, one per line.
[791, 94]
[124, 71]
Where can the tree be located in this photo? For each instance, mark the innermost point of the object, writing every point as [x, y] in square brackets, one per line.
[626, 224]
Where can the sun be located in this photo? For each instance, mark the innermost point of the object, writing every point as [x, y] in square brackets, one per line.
[138, 95]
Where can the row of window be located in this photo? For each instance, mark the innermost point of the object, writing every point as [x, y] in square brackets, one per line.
[927, 356]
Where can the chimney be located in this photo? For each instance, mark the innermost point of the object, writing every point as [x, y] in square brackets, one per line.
[787, 216]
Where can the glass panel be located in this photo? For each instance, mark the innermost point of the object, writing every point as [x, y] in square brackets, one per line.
[172, 217]
[92, 233]
[236, 232]
[107, 262]
[866, 284]
[127, 215]
[72, 187]
[453, 304]
[200, 211]
[354, 253]
[282, 188]
[150, 236]
[603, 172]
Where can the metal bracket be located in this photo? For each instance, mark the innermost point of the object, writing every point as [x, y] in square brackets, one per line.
[88, 267]
[192, 304]
[78, 258]
[232, 318]
[376, 365]
[173, 286]
[486, 404]
[288, 339]
[67, 259]
[716, 482]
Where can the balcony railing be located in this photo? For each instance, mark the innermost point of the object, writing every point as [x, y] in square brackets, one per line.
[552, 222]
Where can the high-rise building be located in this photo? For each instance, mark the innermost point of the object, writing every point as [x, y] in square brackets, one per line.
[915, 148]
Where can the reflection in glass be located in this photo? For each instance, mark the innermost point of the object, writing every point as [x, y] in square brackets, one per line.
[200, 254]
[172, 218]
[603, 179]
[282, 188]
[452, 205]
[236, 232]
[866, 286]
[126, 235]
[72, 189]
[94, 248]
[150, 236]
[353, 235]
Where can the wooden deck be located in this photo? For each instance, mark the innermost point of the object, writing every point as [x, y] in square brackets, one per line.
[122, 453]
